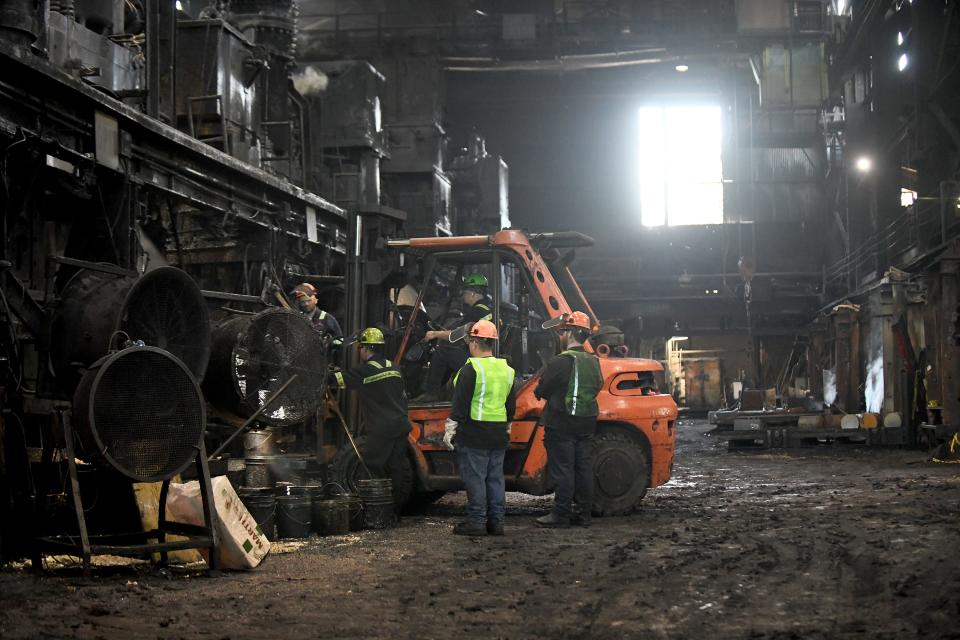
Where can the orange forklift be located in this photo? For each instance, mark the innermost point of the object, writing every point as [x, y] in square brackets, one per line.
[531, 286]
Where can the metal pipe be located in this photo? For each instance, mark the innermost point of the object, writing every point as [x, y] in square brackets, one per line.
[440, 243]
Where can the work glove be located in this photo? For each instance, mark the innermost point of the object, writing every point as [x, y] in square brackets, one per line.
[449, 431]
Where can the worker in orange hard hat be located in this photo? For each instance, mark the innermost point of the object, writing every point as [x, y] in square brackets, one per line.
[305, 295]
[570, 384]
[484, 400]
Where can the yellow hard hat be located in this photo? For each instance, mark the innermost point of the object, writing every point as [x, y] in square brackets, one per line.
[371, 335]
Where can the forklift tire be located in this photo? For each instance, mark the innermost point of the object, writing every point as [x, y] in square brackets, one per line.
[621, 474]
[345, 470]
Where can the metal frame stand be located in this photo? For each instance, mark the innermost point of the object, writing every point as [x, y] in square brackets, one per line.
[134, 544]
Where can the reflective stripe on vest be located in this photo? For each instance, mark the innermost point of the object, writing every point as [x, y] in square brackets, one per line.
[584, 384]
[389, 373]
[386, 373]
[489, 316]
[490, 392]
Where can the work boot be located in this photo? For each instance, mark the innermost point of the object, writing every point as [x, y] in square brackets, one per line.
[427, 397]
[469, 529]
[552, 521]
[581, 520]
[494, 528]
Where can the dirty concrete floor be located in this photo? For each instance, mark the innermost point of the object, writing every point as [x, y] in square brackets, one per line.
[811, 543]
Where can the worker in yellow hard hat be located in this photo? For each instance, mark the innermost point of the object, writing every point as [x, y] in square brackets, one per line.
[484, 400]
[449, 357]
[570, 384]
[383, 403]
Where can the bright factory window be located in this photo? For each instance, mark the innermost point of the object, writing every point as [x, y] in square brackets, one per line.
[681, 180]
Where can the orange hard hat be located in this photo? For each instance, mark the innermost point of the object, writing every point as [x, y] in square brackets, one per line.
[579, 320]
[484, 329]
[305, 290]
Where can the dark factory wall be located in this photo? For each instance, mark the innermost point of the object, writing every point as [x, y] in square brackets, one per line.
[572, 143]
[571, 140]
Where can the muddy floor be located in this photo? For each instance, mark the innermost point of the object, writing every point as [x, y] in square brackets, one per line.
[809, 543]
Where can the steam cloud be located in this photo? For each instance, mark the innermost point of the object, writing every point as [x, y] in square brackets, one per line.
[310, 81]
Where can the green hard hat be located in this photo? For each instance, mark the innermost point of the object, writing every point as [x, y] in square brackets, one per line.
[371, 335]
[475, 280]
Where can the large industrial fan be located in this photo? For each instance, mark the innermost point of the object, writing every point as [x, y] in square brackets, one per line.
[139, 414]
[104, 310]
[254, 356]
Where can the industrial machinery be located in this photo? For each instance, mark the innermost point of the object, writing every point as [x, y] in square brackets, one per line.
[531, 283]
[156, 209]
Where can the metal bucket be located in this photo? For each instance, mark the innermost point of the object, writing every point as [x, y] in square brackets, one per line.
[355, 505]
[377, 497]
[293, 516]
[331, 517]
[259, 442]
[257, 472]
[262, 506]
[334, 491]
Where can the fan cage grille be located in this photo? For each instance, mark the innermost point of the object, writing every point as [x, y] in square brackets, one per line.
[146, 414]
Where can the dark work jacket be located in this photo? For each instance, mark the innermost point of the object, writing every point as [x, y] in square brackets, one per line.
[383, 400]
[325, 322]
[478, 434]
[481, 309]
[553, 386]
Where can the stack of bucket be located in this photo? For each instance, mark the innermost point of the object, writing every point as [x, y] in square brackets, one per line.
[275, 495]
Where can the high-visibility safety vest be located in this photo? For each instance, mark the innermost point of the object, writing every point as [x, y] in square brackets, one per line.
[493, 385]
[584, 384]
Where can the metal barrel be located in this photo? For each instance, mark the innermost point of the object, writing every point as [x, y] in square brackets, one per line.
[259, 442]
[257, 472]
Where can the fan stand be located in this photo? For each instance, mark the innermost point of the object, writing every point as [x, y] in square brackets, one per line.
[134, 544]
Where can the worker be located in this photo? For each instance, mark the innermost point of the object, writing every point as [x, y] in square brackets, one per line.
[449, 357]
[484, 400]
[306, 296]
[570, 383]
[383, 402]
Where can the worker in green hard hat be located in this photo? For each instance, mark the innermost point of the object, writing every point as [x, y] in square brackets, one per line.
[449, 357]
[383, 403]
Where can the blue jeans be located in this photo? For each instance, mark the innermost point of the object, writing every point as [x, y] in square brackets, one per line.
[482, 474]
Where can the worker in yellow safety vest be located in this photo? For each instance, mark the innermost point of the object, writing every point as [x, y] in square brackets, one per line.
[484, 400]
